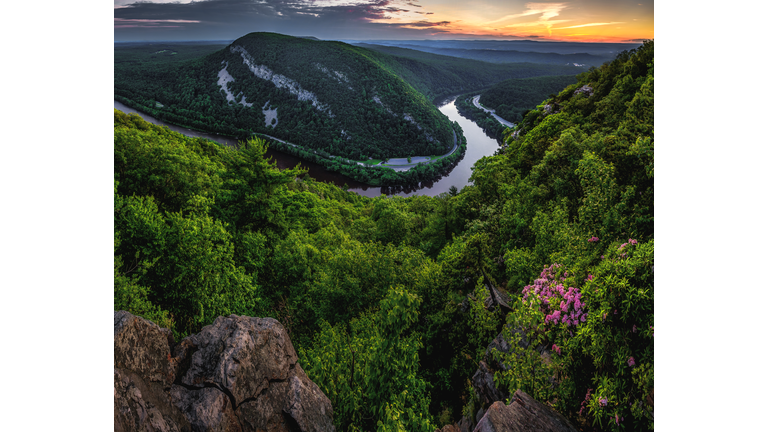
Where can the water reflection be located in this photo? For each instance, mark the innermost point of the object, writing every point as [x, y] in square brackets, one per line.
[478, 145]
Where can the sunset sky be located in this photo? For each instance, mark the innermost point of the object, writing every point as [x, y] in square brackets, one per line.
[575, 20]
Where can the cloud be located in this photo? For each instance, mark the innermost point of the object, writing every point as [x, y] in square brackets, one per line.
[536, 24]
[241, 10]
[230, 19]
[151, 23]
[546, 10]
[589, 25]
[427, 24]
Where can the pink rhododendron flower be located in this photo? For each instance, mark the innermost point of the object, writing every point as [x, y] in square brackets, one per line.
[603, 402]
[631, 362]
[558, 303]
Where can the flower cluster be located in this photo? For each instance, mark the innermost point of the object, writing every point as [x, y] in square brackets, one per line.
[585, 401]
[593, 239]
[558, 304]
[604, 402]
[556, 348]
[631, 362]
[629, 242]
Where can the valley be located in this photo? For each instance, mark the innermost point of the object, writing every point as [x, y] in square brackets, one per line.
[348, 105]
[515, 272]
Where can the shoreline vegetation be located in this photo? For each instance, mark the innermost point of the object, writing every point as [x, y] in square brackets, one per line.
[374, 175]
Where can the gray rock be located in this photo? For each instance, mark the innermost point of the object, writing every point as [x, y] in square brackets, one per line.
[466, 424]
[584, 89]
[142, 370]
[240, 355]
[238, 374]
[207, 409]
[485, 387]
[480, 414]
[295, 403]
[523, 414]
[143, 347]
[143, 406]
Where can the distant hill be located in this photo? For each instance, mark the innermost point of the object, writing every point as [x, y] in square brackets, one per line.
[597, 49]
[582, 60]
[438, 75]
[511, 98]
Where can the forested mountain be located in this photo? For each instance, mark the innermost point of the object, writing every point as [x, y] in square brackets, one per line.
[510, 99]
[323, 95]
[440, 75]
[384, 298]
[330, 98]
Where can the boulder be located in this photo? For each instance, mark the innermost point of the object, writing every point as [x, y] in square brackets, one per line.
[143, 370]
[143, 347]
[523, 414]
[484, 386]
[238, 374]
[466, 424]
[584, 89]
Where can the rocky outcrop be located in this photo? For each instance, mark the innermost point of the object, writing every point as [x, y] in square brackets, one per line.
[238, 374]
[584, 89]
[483, 380]
[484, 386]
[495, 298]
[522, 414]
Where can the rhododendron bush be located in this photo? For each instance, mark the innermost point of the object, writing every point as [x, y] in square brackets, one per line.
[584, 343]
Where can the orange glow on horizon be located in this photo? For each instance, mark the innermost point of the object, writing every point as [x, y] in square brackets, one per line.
[568, 21]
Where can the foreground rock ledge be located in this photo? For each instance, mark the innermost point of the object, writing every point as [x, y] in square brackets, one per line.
[523, 414]
[238, 374]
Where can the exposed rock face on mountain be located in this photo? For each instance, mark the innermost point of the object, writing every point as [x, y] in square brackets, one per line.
[238, 374]
[523, 414]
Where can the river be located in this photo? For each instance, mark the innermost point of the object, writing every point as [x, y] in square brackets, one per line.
[478, 145]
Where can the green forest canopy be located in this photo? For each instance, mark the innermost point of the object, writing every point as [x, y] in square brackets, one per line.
[202, 230]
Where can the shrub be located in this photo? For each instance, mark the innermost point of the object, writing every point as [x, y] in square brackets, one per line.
[588, 351]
